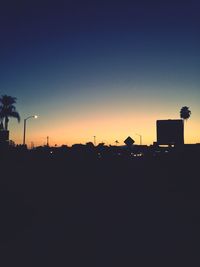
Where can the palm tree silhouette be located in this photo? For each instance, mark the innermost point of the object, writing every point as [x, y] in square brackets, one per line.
[116, 142]
[185, 113]
[7, 110]
[1, 122]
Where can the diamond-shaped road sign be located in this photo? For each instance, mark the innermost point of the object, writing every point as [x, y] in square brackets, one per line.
[129, 141]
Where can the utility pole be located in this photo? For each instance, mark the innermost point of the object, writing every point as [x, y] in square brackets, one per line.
[47, 140]
[24, 137]
[32, 145]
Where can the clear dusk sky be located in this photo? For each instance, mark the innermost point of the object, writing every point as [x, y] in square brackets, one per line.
[103, 68]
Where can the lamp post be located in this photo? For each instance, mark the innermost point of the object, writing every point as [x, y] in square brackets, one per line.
[24, 137]
[140, 138]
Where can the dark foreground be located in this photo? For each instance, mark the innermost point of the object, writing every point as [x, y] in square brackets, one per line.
[99, 212]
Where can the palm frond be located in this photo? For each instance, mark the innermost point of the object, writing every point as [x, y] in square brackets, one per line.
[7, 100]
[15, 115]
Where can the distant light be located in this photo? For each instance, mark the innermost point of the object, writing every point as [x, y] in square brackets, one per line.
[35, 116]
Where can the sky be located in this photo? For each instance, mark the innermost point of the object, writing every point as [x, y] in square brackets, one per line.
[108, 69]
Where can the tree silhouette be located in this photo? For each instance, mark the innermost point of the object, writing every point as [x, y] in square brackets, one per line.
[185, 113]
[1, 122]
[7, 110]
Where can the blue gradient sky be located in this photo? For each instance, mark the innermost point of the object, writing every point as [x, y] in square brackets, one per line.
[104, 68]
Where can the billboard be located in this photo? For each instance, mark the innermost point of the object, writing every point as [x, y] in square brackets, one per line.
[170, 132]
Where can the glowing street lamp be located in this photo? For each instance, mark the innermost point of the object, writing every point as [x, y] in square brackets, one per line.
[24, 138]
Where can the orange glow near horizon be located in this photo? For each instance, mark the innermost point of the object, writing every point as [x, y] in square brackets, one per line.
[107, 127]
[77, 120]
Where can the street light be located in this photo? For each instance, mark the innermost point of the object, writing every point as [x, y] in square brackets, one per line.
[140, 138]
[24, 138]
